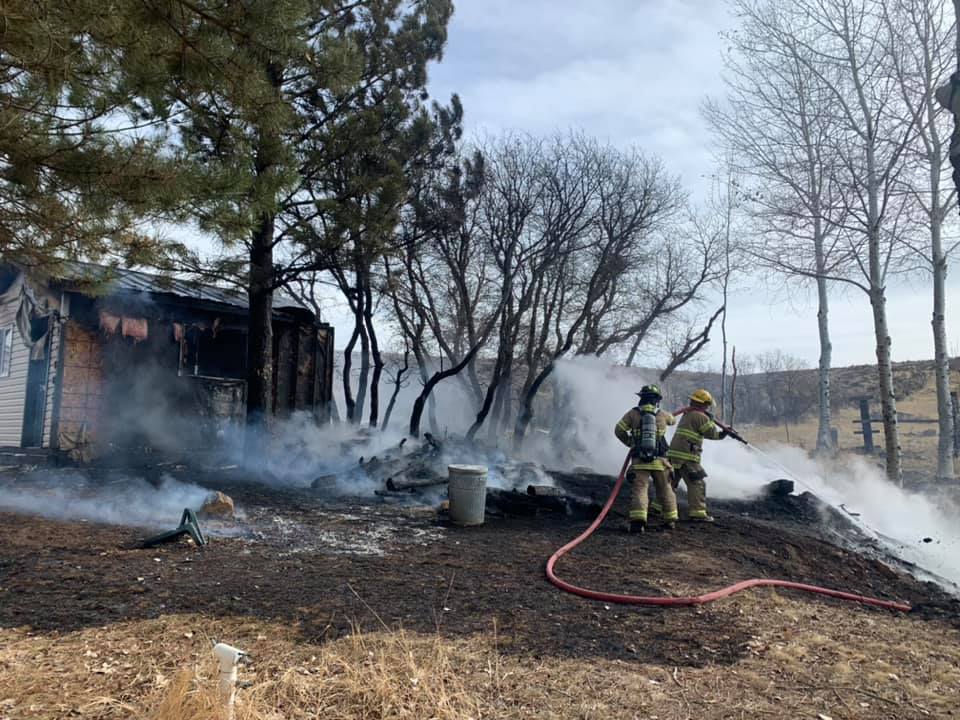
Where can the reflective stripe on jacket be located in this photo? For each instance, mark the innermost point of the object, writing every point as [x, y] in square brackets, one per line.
[687, 443]
[628, 432]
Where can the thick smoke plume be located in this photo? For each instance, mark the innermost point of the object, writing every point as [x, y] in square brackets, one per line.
[914, 526]
[302, 452]
[124, 501]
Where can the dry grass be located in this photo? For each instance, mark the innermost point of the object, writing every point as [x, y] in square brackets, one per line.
[919, 441]
[385, 676]
[799, 664]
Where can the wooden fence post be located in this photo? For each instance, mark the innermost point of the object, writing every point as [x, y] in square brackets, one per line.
[865, 423]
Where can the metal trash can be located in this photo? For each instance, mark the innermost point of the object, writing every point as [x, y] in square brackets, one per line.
[467, 491]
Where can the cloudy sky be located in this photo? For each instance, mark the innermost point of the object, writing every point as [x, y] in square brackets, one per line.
[635, 72]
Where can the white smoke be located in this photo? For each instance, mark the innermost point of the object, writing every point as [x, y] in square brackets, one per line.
[599, 395]
[127, 501]
[923, 531]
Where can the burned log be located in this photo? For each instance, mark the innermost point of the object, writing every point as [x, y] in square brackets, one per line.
[778, 488]
[511, 502]
[540, 498]
[545, 491]
[404, 483]
[393, 493]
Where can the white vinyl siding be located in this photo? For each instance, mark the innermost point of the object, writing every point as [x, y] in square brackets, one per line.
[13, 387]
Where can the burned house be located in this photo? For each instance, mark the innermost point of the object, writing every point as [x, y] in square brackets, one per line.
[103, 361]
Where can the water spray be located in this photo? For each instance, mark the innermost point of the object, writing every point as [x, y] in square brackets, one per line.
[893, 543]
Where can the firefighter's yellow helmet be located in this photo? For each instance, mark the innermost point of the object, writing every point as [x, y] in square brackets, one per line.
[701, 396]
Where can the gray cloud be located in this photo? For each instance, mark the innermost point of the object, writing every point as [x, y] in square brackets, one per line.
[634, 72]
[627, 72]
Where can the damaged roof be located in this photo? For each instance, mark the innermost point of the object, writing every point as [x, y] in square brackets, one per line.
[115, 280]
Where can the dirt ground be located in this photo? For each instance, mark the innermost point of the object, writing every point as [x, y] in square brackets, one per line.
[305, 575]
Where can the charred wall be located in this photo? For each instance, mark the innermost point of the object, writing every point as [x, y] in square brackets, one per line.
[141, 379]
[303, 369]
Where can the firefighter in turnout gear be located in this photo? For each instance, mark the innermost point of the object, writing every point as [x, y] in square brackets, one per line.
[686, 449]
[643, 430]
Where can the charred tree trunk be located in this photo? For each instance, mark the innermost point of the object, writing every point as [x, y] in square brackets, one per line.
[260, 337]
[526, 406]
[348, 400]
[377, 358]
[493, 427]
[476, 389]
[501, 407]
[364, 370]
[430, 384]
[398, 384]
[431, 400]
[506, 408]
[487, 401]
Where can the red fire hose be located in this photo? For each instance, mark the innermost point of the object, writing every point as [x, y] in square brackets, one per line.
[695, 599]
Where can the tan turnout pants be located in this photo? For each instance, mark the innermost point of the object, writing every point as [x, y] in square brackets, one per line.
[639, 497]
[694, 476]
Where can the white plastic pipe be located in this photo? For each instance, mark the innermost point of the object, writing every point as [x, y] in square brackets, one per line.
[228, 657]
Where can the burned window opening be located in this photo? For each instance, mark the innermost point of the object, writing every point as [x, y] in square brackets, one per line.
[220, 355]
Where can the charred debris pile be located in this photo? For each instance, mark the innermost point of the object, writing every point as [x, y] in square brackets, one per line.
[416, 473]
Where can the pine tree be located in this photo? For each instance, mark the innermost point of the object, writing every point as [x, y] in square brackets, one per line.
[254, 89]
[79, 177]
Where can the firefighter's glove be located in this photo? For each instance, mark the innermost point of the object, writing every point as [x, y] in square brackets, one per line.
[724, 434]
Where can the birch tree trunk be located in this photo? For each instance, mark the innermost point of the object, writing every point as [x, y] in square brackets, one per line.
[824, 437]
[945, 468]
[919, 73]
[888, 403]
[878, 301]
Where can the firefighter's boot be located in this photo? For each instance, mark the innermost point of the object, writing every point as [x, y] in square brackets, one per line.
[637, 527]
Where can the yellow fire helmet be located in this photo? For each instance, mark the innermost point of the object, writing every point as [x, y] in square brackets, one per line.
[701, 396]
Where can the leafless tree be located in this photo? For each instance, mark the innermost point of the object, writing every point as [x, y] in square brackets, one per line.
[399, 380]
[535, 209]
[443, 293]
[619, 279]
[534, 249]
[788, 391]
[775, 124]
[948, 95]
[920, 43]
[837, 42]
